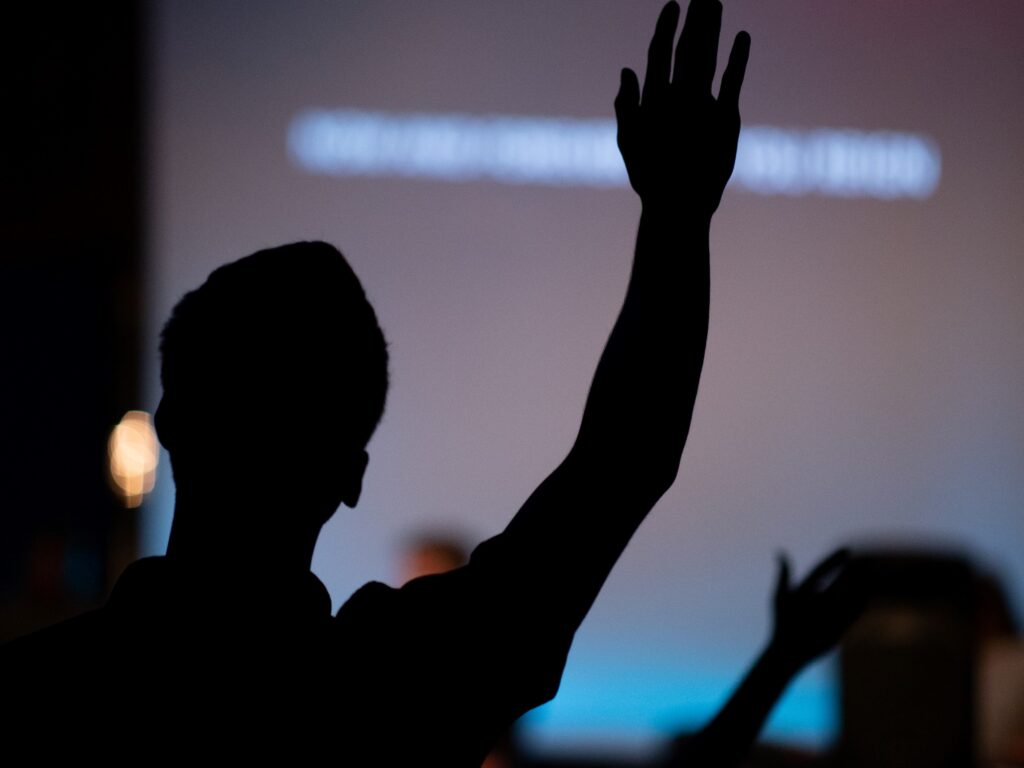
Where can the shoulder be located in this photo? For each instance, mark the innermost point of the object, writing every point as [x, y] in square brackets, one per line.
[370, 597]
[484, 627]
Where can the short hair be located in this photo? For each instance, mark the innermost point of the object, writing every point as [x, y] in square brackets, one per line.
[287, 327]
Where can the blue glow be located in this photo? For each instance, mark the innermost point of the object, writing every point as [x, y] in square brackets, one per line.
[158, 512]
[632, 712]
[567, 152]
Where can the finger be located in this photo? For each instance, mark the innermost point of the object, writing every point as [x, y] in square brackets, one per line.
[627, 105]
[826, 567]
[732, 78]
[782, 582]
[659, 54]
[628, 99]
[697, 52]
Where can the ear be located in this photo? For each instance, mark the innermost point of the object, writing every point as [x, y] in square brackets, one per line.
[353, 481]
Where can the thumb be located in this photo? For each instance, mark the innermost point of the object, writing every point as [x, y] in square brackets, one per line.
[627, 102]
[782, 581]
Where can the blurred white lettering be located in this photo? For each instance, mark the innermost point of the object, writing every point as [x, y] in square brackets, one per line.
[564, 152]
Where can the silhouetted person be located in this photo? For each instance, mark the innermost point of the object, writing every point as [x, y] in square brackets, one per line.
[274, 375]
[809, 620]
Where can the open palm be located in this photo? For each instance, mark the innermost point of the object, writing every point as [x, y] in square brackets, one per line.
[678, 141]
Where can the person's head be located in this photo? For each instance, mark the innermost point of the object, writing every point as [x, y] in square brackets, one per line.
[274, 374]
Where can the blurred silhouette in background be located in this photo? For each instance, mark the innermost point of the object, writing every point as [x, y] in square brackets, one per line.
[917, 681]
[809, 620]
[931, 665]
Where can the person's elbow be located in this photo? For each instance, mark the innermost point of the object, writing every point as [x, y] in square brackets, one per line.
[646, 476]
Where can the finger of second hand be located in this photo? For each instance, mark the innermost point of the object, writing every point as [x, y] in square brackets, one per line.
[697, 51]
[732, 78]
[659, 54]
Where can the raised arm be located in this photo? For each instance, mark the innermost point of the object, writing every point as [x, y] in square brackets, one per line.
[679, 145]
[524, 592]
[810, 619]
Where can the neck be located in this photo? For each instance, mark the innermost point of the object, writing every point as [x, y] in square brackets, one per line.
[241, 537]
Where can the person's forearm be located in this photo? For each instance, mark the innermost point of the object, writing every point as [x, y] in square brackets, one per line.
[635, 422]
[638, 410]
[726, 740]
[678, 144]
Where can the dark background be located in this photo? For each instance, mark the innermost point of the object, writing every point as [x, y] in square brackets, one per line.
[69, 302]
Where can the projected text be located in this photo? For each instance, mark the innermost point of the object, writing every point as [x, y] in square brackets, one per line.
[564, 152]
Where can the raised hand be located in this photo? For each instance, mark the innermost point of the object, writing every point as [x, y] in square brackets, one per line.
[678, 141]
[811, 617]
